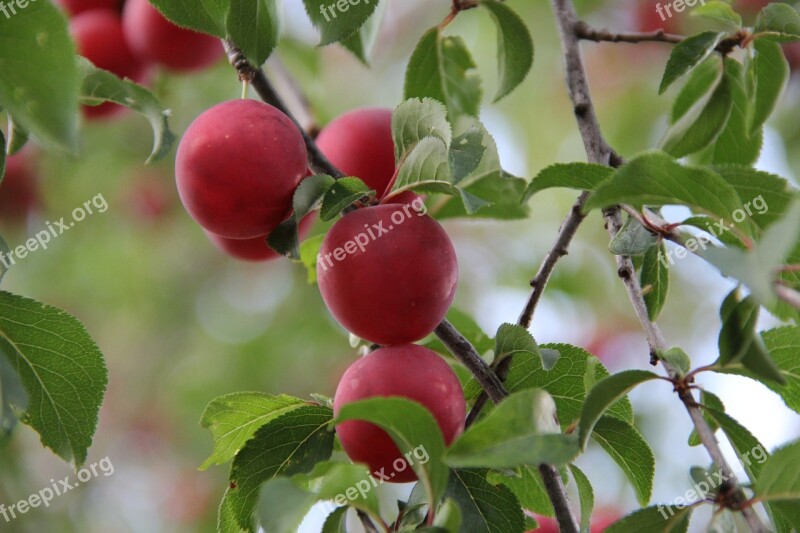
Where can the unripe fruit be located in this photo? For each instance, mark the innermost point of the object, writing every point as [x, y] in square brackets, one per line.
[155, 39]
[388, 273]
[360, 144]
[19, 191]
[98, 36]
[75, 7]
[408, 371]
[255, 249]
[237, 167]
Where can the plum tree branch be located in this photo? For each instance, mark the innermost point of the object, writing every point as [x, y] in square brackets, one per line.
[598, 151]
[583, 31]
[460, 347]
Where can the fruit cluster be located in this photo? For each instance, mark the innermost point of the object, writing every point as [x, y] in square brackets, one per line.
[237, 168]
[130, 39]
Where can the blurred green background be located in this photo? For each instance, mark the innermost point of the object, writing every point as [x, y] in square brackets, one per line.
[180, 323]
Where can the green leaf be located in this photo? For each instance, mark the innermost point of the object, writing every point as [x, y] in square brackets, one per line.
[783, 345]
[719, 12]
[234, 418]
[336, 521]
[468, 328]
[688, 54]
[677, 359]
[485, 508]
[655, 280]
[36, 56]
[527, 485]
[764, 197]
[586, 495]
[442, 68]
[780, 22]
[416, 119]
[746, 446]
[17, 138]
[309, 249]
[757, 267]
[512, 340]
[102, 86]
[607, 391]
[770, 70]
[735, 145]
[308, 195]
[254, 25]
[655, 178]
[564, 381]
[289, 444]
[699, 83]
[581, 176]
[61, 369]
[514, 47]
[448, 516]
[521, 430]
[702, 123]
[656, 519]
[630, 451]
[427, 168]
[291, 503]
[466, 152]
[337, 21]
[343, 193]
[632, 239]
[779, 481]
[410, 426]
[362, 42]
[207, 16]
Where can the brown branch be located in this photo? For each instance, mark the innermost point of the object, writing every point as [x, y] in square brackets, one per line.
[366, 522]
[598, 151]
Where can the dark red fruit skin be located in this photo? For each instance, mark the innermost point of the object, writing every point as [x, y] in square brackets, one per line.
[360, 144]
[255, 250]
[407, 371]
[237, 167]
[76, 7]
[157, 40]
[98, 37]
[400, 287]
[19, 190]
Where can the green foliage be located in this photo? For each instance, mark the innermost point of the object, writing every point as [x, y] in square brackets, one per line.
[38, 56]
[779, 483]
[720, 12]
[654, 279]
[61, 370]
[512, 340]
[254, 26]
[409, 425]
[336, 24]
[102, 86]
[292, 443]
[656, 519]
[770, 73]
[342, 193]
[514, 47]
[308, 196]
[586, 495]
[779, 22]
[207, 16]
[687, 55]
[626, 446]
[233, 419]
[527, 485]
[522, 430]
[581, 176]
[485, 508]
[632, 239]
[442, 68]
[677, 359]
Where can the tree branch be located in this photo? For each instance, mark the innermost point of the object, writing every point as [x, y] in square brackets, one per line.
[598, 151]
[585, 32]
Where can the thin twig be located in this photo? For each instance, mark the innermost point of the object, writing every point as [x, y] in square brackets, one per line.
[598, 151]
[366, 522]
[788, 295]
